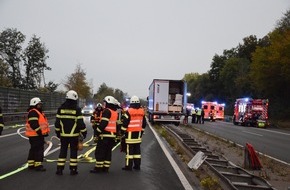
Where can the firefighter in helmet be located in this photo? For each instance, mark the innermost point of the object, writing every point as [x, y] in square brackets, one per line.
[37, 127]
[134, 124]
[106, 133]
[96, 119]
[69, 127]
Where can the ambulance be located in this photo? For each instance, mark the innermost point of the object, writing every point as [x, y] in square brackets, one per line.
[220, 111]
[209, 110]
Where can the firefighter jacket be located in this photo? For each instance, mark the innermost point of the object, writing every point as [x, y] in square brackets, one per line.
[69, 120]
[108, 125]
[36, 123]
[134, 124]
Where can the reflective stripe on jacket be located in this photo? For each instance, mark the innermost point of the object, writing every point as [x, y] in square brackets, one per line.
[66, 129]
[43, 125]
[136, 118]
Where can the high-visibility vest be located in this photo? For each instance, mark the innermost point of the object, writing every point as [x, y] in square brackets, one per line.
[43, 125]
[136, 119]
[112, 123]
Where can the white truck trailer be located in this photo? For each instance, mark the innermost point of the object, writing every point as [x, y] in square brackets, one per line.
[167, 100]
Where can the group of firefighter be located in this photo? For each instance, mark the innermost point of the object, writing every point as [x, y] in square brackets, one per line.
[110, 125]
[197, 116]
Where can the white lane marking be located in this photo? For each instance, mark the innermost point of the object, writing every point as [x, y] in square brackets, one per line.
[278, 132]
[179, 173]
[253, 133]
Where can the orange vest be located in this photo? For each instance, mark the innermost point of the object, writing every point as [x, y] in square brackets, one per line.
[112, 125]
[136, 119]
[97, 118]
[43, 125]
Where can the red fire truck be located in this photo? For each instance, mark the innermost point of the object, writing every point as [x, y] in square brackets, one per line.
[209, 110]
[251, 112]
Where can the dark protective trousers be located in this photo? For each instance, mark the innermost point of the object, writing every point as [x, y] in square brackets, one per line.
[133, 155]
[35, 155]
[103, 153]
[66, 142]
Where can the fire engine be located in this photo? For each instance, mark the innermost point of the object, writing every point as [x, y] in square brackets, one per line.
[209, 110]
[220, 111]
[251, 112]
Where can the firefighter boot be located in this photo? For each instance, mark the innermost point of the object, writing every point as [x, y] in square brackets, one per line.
[127, 168]
[40, 168]
[96, 170]
[58, 171]
[73, 172]
[136, 167]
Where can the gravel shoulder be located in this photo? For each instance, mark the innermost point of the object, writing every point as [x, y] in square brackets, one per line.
[276, 173]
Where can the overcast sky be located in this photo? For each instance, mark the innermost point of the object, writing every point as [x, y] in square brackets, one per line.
[127, 43]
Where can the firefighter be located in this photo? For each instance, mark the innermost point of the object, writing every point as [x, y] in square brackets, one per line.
[37, 127]
[134, 124]
[106, 133]
[202, 116]
[119, 121]
[96, 119]
[198, 116]
[193, 116]
[1, 121]
[69, 127]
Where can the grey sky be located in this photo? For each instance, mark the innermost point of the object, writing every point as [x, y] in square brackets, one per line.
[127, 43]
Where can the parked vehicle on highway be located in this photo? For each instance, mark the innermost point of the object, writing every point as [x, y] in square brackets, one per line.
[209, 109]
[87, 110]
[220, 111]
[251, 112]
[167, 100]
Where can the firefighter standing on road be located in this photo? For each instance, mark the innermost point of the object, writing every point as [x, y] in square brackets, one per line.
[106, 133]
[37, 128]
[1, 121]
[193, 115]
[96, 119]
[69, 125]
[134, 124]
[198, 116]
[202, 115]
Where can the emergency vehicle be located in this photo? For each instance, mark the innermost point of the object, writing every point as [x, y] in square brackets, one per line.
[251, 112]
[220, 111]
[209, 109]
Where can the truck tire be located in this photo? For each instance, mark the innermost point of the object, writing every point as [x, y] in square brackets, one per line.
[234, 120]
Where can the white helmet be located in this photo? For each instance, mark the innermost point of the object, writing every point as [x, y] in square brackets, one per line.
[35, 101]
[109, 99]
[99, 105]
[73, 95]
[134, 100]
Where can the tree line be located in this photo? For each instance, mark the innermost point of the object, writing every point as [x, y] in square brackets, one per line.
[24, 68]
[257, 68]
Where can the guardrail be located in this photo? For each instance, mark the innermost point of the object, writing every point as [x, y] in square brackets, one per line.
[13, 118]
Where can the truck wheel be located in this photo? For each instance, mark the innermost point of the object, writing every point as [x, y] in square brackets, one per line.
[234, 120]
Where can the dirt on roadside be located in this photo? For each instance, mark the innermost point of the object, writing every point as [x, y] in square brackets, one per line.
[276, 173]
